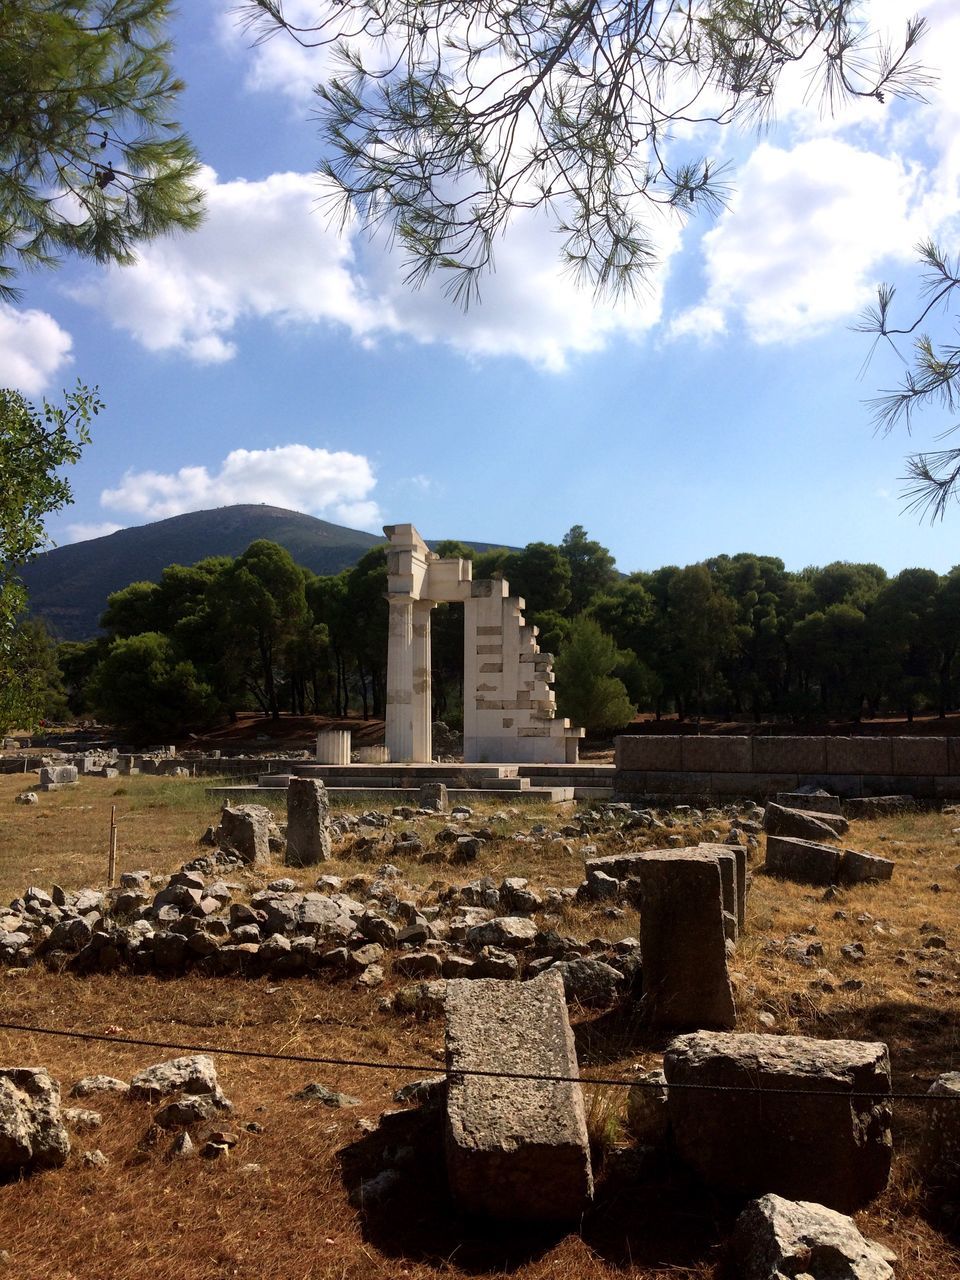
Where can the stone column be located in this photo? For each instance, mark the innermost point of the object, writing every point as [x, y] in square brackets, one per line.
[422, 705]
[399, 727]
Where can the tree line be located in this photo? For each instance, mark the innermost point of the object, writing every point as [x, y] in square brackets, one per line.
[731, 636]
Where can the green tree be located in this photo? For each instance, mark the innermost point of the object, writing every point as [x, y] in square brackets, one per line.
[34, 445]
[592, 568]
[146, 688]
[91, 162]
[587, 692]
[499, 106]
[260, 604]
[541, 574]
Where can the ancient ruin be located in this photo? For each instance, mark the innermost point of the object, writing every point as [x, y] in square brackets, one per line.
[509, 706]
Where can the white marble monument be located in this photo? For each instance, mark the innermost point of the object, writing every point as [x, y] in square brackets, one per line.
[509, 706]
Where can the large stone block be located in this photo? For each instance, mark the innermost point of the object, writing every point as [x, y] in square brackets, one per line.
[516, 1149]
[716, 754]
[738, 854]
[776, 1238]
[859, 755]
[308, 822]
[940, 1143]
[246, 828]
[804, 861]
[811, 802]
[920, 756]
[682, 941]
[679, 784]
[806, 1119]
[802, 824]
[53, 777]
[953, 755]
[639, 751]
[790, 755]
[863, 868]
[32, 1133]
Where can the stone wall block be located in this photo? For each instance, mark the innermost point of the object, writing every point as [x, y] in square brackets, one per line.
[859, 755]
[804, 861]
[804, 1143]
[516, 1149]
[921, 756]
[789, 755]
[716, 754]
[643, 751]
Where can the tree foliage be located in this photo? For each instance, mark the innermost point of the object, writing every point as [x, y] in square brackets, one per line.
[587, 691]
[34, 445]
[443, 119]
[91, 162]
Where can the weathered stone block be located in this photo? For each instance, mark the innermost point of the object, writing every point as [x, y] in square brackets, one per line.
[826, 1137]
[685, 979]
[755, 785]
[738, 854]
[877, 806]
[940, 1144]
[920, 756]
[810, 802]
[678, 784]
[516, 1149]
[308, 823]
[804, 861]
[641, 752]
[802, 824]
[246, 828]
[953, 755]
[433, 795]
[789, 755]
[52, 777]
[859, 755]
[716, 754]
[775, 1238]
[863, 868]
[32, 1133]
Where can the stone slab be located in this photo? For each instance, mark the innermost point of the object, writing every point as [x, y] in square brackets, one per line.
[738, 854]
[857, 867]
[826, 1138]
[682, 941]
[804, 861]
[757, 786]
[308, 823]
[516, 1149]
[812, 802]
[804, 824]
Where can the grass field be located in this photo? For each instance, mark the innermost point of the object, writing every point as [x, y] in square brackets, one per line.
[280, 1206]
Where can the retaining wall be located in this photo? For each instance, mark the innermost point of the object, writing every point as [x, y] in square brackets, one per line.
[681, 765]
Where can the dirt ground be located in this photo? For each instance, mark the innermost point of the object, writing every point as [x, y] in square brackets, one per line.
[281, 1205]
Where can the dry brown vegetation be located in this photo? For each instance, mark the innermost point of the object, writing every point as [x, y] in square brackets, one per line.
[280, 1205]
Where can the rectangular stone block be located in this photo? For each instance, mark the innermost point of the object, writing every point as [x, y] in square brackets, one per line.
[716, 754]
[629, 783]
[805, 824]
[642, 751]
[308, 822]
[682, 941]
[839, 784]
[953, 755]
[738, 854]
[806, 1119]
[679, 784]
[811, 802]
[921, 756]
[789, 755]
[516, 1149]
[54, 776]
[804, 861]
[863, 868]
[859, 755]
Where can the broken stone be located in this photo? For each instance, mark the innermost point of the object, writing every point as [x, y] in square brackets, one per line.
[328, 1097]
[308, 822]
[776, 1238]
[803, 824]
[804, 1142]
[803, 861]
[193, 1074]
[32, 1133]
[516, 1149]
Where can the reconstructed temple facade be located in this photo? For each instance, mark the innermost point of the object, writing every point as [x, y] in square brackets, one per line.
[509, 706]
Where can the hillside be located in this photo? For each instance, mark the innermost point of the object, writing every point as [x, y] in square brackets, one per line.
[69, 585]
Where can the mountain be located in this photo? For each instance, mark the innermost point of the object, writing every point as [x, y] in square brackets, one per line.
[68, 586]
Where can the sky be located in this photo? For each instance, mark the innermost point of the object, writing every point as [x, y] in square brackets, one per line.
[270, 357]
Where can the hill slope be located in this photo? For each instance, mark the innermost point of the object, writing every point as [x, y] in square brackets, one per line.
[69, 585]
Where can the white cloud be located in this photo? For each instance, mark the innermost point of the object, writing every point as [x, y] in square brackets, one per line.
[801, 245]
[33, 348]
[84, 530]
[296, 476]
[267, 253]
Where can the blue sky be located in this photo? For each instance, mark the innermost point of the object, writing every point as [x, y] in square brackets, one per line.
[266, 358]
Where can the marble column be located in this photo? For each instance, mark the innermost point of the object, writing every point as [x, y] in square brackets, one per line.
[422, 705]
[400, 700]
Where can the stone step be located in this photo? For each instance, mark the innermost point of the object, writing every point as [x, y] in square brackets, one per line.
[402, 795]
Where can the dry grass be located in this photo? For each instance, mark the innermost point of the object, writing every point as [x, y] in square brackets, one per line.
[292, 1215]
